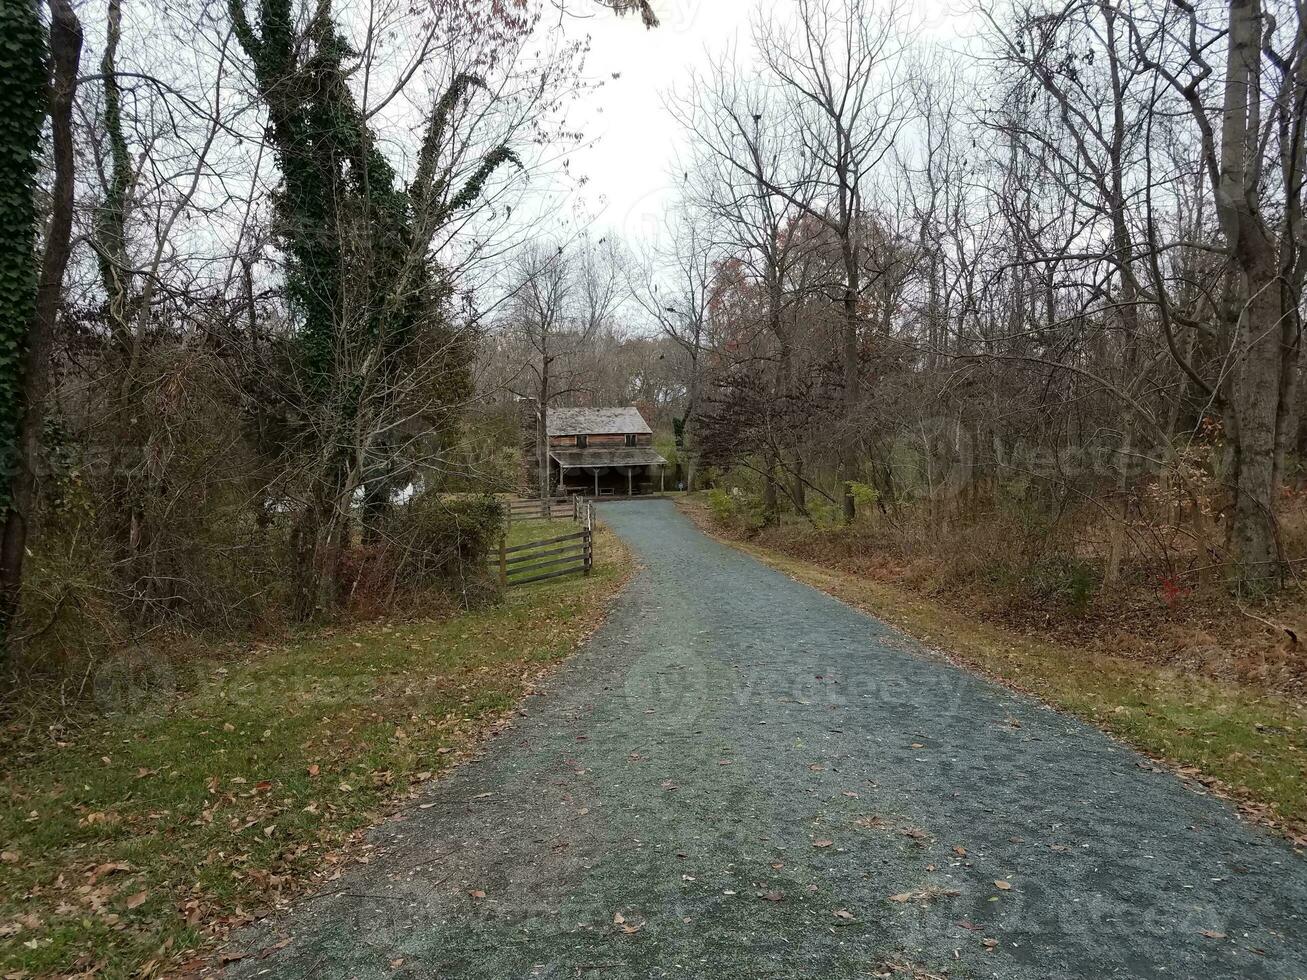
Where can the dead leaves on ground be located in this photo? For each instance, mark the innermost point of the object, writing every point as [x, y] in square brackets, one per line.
[928, 894]
[627, 927]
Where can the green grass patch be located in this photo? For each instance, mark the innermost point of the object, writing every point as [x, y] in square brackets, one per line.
[1236, 739]
[137, 838]
[525, 531]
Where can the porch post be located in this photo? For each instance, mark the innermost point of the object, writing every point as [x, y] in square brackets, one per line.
[628, 481]
[596, 481]
[662, 478]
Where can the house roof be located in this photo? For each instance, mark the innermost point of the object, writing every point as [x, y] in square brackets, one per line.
[617, 456]
[596, 421]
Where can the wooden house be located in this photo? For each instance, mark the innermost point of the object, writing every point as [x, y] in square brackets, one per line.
[603, 451]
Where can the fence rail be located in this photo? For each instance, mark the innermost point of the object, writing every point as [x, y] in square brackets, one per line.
[553, 557]
[542, 509]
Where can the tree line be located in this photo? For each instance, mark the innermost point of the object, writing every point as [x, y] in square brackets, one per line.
[246, 245]
[1061, 262]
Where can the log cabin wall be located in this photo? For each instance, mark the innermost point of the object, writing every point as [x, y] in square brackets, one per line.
[595, 440]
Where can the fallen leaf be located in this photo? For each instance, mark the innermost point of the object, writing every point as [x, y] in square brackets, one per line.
[822, 843]
[1211, 934]
[1002, 885]
[107, 869]
[925, 894]
[314, 770]
[477, 893]
[137, 900]
[771, 896]
[629, 928]
[844, 914]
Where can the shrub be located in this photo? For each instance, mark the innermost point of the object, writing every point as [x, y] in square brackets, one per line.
[864, 495]
[721, 505]
[737, 509]
[434, 543]
[1065, 579]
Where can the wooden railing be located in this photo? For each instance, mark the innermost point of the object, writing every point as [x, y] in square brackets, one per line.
[546, 509]
[564, 554]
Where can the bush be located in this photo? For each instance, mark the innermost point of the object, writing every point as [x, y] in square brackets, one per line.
[1063, 579]
[434, 543]
[737, 509]
[864, 495]
[441, 534]
[1060, 580]
[721, 505]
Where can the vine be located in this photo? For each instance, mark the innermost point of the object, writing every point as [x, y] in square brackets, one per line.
[24, 81]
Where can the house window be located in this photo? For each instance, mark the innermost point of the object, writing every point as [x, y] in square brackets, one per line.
[580, 442]
[630, 438]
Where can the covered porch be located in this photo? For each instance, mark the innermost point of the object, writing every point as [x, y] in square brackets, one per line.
[621, 471]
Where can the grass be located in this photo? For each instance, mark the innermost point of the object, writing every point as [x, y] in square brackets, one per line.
[1235, 739]
[524, 531]
[140, 838]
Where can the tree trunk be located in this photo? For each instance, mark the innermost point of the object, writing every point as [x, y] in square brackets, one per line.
[849, 347]
[1257, 394]
[769, 494]
[65, 52]
[688, 428]
[542, 433]
[1257, 401]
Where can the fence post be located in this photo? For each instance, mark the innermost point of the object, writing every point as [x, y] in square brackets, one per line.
[589, 538]
[503, 561]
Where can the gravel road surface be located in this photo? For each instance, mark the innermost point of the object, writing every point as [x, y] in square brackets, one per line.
[741, 777]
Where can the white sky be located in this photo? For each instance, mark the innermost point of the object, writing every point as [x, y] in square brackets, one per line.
[631, 140]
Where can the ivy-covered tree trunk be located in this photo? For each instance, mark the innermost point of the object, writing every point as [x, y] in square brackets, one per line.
[29, 295]
[358, 274]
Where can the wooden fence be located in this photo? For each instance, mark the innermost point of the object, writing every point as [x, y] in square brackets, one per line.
[526, 509]
[564, 554]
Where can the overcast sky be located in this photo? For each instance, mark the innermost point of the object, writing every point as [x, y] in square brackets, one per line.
[631, 139]
[632, 142]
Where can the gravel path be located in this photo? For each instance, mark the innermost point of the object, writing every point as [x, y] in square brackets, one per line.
[741, 777]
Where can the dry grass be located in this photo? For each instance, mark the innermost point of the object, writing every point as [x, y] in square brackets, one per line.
[1012, 577]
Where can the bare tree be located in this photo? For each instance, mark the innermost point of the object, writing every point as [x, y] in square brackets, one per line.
[842, 74]
[558, 304]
